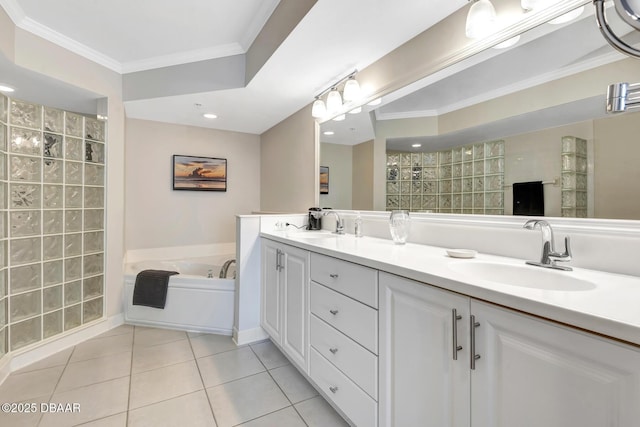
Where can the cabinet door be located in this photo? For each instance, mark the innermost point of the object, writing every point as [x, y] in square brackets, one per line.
[420, 383]
[533, 373]
[270, 290]
[295, 292]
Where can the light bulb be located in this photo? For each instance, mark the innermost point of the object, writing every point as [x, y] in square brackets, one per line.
[480, 19]
[334, 101]
[319, 110]
[352, 90]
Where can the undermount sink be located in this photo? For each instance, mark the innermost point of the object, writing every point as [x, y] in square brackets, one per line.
[524, 276]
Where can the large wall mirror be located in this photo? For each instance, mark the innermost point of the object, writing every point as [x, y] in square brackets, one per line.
[517, 130]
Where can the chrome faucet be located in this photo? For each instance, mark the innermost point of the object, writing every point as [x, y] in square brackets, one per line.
[339, 221]
[225, 268]
[549, 255]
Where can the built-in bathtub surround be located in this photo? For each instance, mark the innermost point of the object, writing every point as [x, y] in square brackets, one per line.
[465, 179]
[51, 222]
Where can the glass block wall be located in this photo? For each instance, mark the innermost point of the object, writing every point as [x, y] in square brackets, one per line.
[467, 179]
[51, 222]
[574, 177]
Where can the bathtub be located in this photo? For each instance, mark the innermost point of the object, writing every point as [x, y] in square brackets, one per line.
[195, 302]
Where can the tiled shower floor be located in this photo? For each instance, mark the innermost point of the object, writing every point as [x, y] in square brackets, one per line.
[137, 376]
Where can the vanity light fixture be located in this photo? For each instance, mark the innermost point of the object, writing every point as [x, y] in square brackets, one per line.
[480, 19]
[352, 92]
[319, 110]
[535, 5]
[6, 89]
[335, 102]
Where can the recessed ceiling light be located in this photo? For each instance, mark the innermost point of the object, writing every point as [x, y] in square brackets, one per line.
[5, 88]
[209, 116]
[416, 145]
[329, 132]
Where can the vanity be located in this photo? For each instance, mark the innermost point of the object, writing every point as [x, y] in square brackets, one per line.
[403, 335]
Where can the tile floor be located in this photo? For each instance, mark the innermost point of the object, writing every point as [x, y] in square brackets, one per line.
[137, 376]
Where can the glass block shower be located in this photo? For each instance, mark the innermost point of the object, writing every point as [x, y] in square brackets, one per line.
[574, 177]
[51, 222]
[466, 179]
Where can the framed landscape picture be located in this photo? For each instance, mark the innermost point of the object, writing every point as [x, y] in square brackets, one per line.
[199, 173]
[324, 179]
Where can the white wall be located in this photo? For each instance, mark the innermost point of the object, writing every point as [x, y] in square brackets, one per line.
[338, 158]
[157, 216]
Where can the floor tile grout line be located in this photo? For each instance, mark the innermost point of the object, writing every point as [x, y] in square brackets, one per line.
[133, 339]
[206, 395]
[66, 365]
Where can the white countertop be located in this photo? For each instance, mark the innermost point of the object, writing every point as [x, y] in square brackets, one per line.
[611, 308]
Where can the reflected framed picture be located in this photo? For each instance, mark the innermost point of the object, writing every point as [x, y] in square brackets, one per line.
[199, 173]
[324, 179]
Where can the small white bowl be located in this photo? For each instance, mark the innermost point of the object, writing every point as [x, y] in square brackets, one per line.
[462, 253]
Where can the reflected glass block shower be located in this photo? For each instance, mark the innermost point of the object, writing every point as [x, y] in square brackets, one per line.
[468, 179]
[51, 222]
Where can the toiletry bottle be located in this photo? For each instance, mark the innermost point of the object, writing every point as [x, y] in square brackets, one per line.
[358, 225]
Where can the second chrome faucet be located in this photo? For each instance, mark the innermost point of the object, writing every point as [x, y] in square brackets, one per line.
[549, 255]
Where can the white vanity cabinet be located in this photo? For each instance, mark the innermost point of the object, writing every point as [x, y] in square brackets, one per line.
[420, 382]
[529, 372]
[284, 299]
[534, 373]
[344, 336]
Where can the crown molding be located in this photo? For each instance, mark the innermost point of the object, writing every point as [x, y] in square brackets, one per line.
[70, 44]
[179, 58]
[257, 23]
[14, 10]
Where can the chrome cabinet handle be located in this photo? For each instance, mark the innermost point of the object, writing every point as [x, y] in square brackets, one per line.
[277, 259]
[473, 325]
[455, 317]
[333, 350]
[334, 312]
[333, 389]
[333, 276]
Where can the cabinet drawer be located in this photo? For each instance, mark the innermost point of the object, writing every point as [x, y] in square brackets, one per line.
[357, 363]
[356, 281]
[355, 403]
[356, 320]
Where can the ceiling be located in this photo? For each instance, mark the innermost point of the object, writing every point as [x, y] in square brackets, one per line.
[333, 38]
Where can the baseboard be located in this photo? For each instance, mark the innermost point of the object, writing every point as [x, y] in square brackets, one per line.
[14, 361]
[248, 336]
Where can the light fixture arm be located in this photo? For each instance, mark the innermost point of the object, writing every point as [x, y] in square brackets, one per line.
[337, 84]
[609, 35]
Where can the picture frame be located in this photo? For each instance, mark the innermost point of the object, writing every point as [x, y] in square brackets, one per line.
[197, 173]
[324, 179]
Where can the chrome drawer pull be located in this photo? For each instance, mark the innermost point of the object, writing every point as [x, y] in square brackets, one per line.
[333, 389]
[334, 312]
[456, 348]
[333, 276]
[472, 342]
[333, 350]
